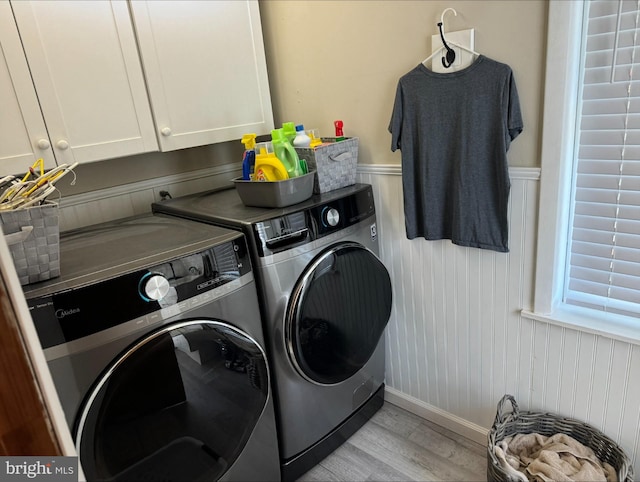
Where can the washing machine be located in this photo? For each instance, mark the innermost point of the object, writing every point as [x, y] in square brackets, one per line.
[154, 340]
[326, 300]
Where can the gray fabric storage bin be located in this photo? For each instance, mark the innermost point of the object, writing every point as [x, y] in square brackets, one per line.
[335, 163]
[33, 236]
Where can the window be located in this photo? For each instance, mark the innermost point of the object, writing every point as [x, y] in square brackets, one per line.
[589, 218]
[603, 268]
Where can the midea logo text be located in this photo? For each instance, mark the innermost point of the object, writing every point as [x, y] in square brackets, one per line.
[62, 313]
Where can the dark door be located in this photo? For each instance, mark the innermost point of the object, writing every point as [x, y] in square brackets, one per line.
[337, 313]
[180, 404]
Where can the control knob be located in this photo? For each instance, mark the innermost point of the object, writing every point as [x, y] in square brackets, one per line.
[330, 217]
[154, 287]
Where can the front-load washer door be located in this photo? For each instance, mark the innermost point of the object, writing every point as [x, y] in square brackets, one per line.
[337, 313]
[180, 404]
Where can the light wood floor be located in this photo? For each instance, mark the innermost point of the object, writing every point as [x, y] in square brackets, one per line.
[396, 445]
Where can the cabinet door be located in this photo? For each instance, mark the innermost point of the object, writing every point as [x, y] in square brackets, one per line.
[205, 68]
[23, 135]
[87, 73]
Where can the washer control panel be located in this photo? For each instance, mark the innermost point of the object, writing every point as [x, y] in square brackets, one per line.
[343, 212]
[154, 287]
[330, 214]
[330, 217]
[284, 232]
[76, 313]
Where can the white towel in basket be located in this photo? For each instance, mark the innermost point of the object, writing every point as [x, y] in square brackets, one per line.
[508, 462]
[549, 459]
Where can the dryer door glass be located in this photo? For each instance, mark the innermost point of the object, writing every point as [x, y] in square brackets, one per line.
[180, 404]
[337, 314]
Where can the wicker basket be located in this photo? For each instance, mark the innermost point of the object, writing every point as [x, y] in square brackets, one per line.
[548, 424]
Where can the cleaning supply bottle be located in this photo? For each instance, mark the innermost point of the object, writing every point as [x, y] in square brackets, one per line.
[289, 130]
[315, 138]
[249, 158]
[301, 139]
[286, 153]
[339, 133]
[268, 166]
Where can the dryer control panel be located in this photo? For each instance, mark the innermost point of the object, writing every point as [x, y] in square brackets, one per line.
[136, 296]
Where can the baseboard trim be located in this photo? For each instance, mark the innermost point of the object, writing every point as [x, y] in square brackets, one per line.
[436, 415]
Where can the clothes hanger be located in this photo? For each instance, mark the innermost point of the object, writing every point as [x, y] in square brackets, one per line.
[450, 56]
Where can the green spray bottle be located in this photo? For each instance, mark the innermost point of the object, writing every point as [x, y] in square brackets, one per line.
[286, 153]
[289, 131]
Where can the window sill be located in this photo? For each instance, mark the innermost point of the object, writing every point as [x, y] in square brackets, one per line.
[610, 325]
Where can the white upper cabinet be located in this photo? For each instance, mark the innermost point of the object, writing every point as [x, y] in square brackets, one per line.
[205, 68]
[72, 87]
[86, 70]
[23, 135]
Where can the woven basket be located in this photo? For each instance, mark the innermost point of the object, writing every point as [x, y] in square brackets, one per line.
[548, 424]
[33, 237]
[335, 163]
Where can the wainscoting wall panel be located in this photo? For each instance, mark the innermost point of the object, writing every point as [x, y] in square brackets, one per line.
[457, 342]
[136, 198]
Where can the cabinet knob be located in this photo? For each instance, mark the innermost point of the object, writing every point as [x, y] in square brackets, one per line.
[62, 145]
[43, 144]
[165, 131]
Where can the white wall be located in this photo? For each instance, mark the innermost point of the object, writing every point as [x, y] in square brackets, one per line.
[341, 59]
[456, 341]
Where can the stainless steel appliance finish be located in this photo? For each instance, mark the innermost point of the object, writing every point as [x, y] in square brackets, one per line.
[154, 340]
[325, 298]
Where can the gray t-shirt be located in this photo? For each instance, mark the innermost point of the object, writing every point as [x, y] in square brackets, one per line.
[454, 130]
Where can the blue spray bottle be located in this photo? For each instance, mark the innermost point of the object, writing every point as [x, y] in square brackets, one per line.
[249, 158]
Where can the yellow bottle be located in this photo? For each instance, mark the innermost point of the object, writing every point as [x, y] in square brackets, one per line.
[315, 138]
[268, 166]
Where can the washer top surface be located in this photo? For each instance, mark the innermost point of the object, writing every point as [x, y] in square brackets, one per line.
[224, 207]
[107, 250]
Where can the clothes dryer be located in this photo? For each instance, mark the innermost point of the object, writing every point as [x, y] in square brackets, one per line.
[326, 300]
[154, 341]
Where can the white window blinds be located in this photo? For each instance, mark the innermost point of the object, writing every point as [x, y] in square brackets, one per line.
[603, 269]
